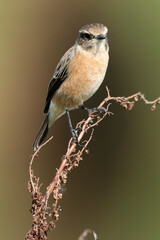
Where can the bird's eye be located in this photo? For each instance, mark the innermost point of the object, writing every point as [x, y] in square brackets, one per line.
[86, 36]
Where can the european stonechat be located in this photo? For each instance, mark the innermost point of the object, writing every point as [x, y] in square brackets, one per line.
[77, 77]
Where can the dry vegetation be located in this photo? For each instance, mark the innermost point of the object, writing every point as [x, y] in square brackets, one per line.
[45, 218]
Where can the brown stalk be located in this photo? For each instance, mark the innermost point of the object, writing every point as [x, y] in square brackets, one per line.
[45, 219]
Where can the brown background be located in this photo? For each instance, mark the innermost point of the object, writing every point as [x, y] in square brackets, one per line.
[115, 191]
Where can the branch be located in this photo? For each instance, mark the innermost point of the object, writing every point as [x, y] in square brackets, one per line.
[45, 218]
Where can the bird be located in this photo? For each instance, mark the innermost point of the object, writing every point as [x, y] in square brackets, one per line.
[78, 75]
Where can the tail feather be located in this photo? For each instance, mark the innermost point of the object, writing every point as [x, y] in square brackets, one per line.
[42, 134]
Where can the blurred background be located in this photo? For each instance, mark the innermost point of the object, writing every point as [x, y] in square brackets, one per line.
[115, 191]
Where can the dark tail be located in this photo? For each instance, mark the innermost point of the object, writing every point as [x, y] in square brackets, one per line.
[42, 134]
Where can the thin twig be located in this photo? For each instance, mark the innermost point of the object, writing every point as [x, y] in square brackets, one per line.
[31, 163]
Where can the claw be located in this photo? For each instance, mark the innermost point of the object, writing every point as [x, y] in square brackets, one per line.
[74, 136]
[78, 128]
[90, 111]
[102, 110]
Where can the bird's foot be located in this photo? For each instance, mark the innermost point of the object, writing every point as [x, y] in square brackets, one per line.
[74, 136]
[90, 111]
[79, 128]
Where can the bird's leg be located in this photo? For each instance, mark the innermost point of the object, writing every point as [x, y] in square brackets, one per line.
[94, 109]
[73, 131]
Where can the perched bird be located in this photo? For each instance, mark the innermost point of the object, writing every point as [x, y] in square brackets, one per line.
[77, 77]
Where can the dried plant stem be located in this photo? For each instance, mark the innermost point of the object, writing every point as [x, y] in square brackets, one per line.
[43, 218]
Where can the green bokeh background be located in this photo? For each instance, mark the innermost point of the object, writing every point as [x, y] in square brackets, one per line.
[115, 191]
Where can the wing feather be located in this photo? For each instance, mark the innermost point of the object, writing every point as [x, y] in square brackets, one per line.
[60, 75]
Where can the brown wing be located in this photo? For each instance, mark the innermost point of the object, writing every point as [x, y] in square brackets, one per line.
[61, 73]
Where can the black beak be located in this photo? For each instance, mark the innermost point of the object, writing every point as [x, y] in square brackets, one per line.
[101, 37]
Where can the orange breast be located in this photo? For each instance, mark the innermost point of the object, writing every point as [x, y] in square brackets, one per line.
[86, 73]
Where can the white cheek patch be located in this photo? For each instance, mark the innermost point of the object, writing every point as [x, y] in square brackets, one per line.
[98, 46]
[101, 48]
